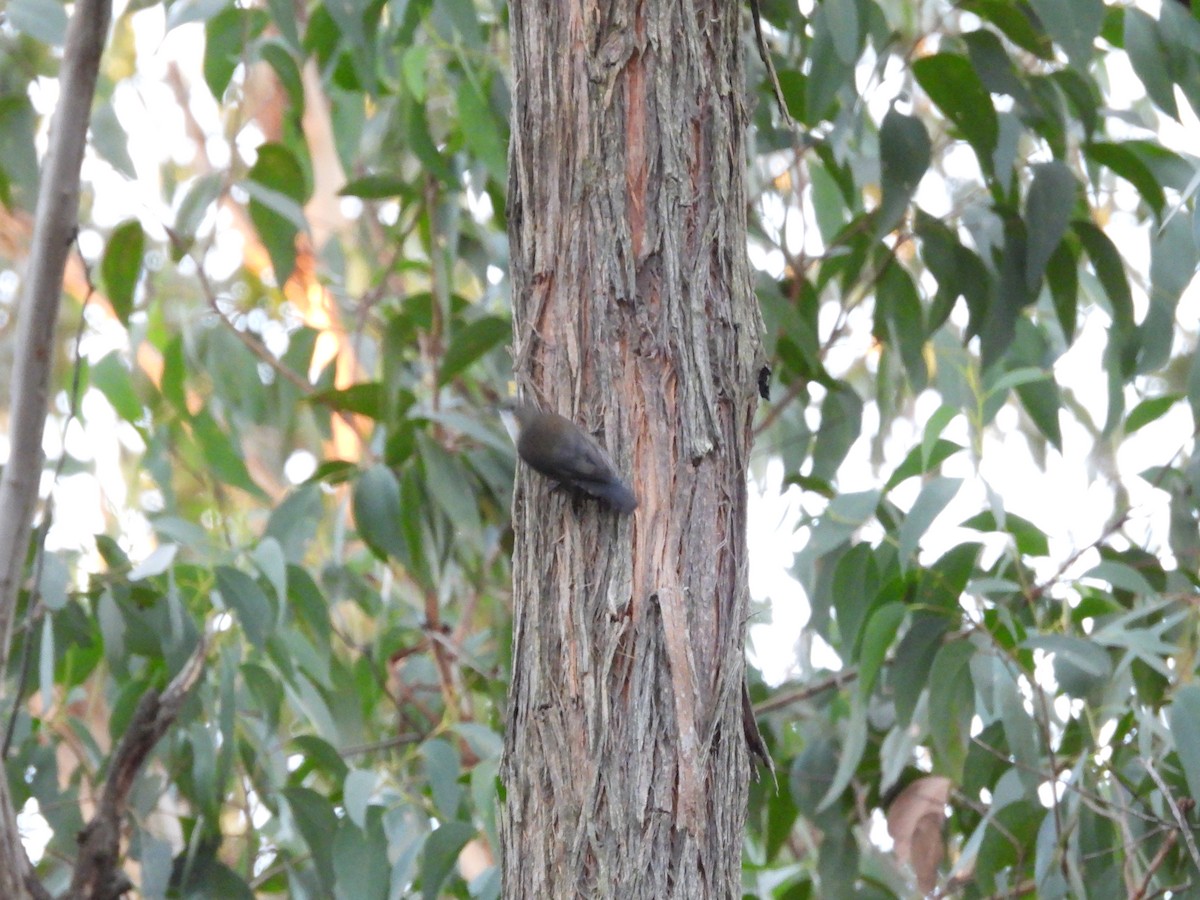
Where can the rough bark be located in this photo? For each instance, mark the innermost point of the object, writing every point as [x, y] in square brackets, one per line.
[37, 315]
[626, 764]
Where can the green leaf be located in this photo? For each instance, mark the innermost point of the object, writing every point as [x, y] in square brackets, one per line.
[19, 168]
[904, 154]
[1193, 389]
[277, 55]
[931, 437]
[1048, 209]
[278, 188]
[1012, 296]
[951, 704]
[113, 379]
[877, 640]
[121, 266]
[377, 512]
[952, 84]
[110, 140]
[360, 859]
[919, 461]
[484, 133]
[1080, 666]
[441, 852]
[909, 673]
[201, 194]
[184, 12]
[242, 594]
[316, 822]
[828, 72]
[1150, 59]
[1074, 26]
[443, 766]
[414, 65]
[1110, 269]
[1149, 411]
[841, 424]
[1030, 539]
[855, 583]
[221, 453]
[1123, 161]
[422, 144]
[1062, 276]
[357, 791]
[1183, 716]
[364, 399]
[844, 28]
[348, 16]
[845, 515]
[995, 67]
[900, 323]
[376, 187]
[1122, 577]
[227, 34]
[471, 342]
[1014, 20]
[934, 497]
[1040, 397]
[812, 772]
[1173, 259]
[854, 744]
[42, 20]
[46, 663]
[450, 487]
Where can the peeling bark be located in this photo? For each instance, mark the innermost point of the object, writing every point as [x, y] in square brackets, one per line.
[626, 763]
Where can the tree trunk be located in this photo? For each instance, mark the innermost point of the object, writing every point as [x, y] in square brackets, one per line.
[626, 764]
[37, 315]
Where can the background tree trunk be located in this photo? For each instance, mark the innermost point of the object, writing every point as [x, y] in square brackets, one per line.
[626, 765]
[37, 316]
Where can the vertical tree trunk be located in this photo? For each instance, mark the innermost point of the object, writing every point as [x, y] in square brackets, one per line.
[37, 315]
[626, 765]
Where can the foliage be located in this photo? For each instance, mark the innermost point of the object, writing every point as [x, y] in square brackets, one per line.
[294, 336]
[273, 315]
[981, 184]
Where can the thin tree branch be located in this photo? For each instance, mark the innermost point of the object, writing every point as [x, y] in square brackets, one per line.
[1154, 866]
[98, 874]
[805, 692]
[1185, 830]
[55, 223]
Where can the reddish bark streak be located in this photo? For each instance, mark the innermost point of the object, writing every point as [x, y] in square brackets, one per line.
[625, 770]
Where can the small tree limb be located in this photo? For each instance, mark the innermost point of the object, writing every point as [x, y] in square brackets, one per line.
[98, 874]
[37, 315]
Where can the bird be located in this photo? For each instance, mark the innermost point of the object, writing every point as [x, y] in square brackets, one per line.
[557, 448]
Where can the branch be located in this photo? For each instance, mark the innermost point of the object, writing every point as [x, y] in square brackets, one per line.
[1176, 808]
[98, 874]
[806, 692]
[55, 222]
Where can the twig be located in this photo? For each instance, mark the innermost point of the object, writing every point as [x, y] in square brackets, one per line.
[765, 55]
[807, 692]
[403, 739]
[259, 349]
[1155, 864]
[1180, 819]
[98, 874]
